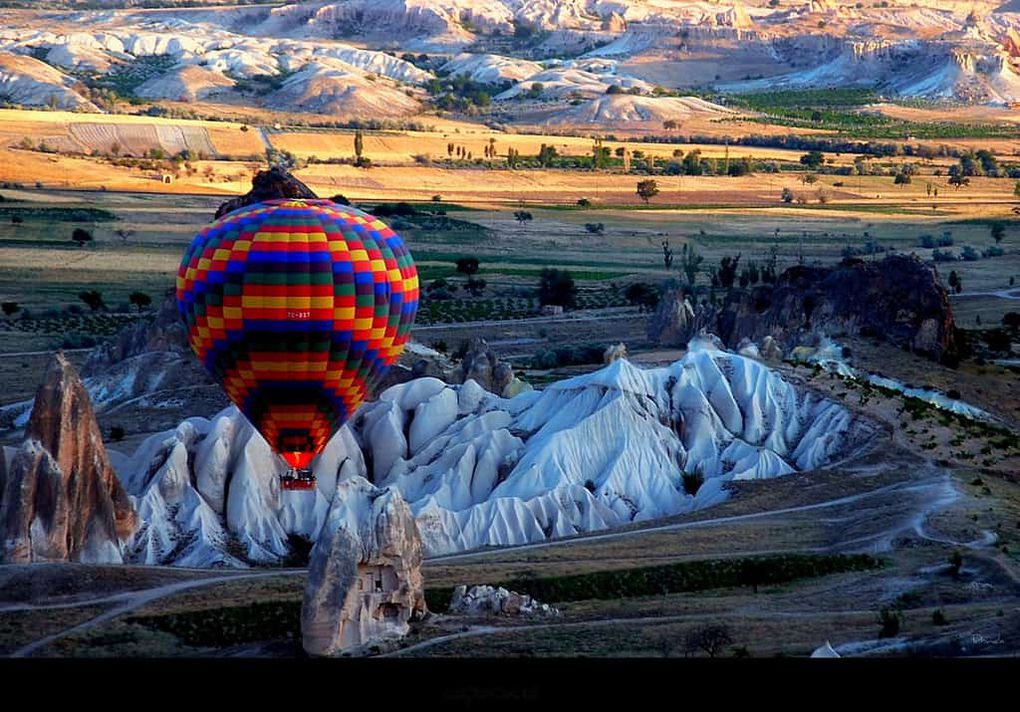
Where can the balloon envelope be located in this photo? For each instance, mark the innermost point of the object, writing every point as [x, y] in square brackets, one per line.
[297, 308]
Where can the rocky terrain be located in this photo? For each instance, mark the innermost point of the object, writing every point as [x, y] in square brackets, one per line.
[899, 299]
[364, 577]
[584, 454]
[60, 499]
[289, 57]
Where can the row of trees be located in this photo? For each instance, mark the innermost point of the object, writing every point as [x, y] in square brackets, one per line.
[92, 298]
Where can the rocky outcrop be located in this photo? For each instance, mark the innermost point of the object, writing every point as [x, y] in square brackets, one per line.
[61, 499]
[364, 578]
[675, 321]
[482, 365]
[614, 352]
[597, 451]
[488, 600]
[898, 299]
[272, 184]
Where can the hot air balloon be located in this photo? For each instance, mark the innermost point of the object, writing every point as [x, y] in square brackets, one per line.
[297, 308]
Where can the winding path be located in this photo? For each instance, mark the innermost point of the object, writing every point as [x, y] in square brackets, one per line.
[133, 600]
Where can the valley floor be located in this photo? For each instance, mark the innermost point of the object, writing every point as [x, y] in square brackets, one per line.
[908, 512]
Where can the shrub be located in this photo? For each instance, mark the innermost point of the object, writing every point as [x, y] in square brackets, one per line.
[710, 639]
[93, 299]
[955, 564]
[467, 265]
[890, 620]
[642, 295]
[81, 236]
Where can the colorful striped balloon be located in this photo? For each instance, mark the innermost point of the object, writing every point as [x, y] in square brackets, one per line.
[297, 308]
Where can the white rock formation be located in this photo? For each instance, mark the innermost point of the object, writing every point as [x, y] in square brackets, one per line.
[488, 600]
[29, 82]
[491, 68]
[592, 452]
[825, 651]
[364, 578]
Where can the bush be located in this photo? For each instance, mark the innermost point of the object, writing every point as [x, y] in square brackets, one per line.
[890, 620]
[81, 236]
[955, 564]
[467, 265]
[93, 299]
[642, 295]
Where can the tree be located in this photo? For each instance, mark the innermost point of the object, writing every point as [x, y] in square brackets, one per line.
[10, 308]
[124, 233]
[728, 270]
[902, 179]
[81, 236]
[93, 299]
[556, 286]
[475, 286]
[642, 295]
[467, 265]
[647, 189]
[954, 282]
[1016, 189]
[340, 199]
[667, 254]
[958, 181]
[690, 263]
[546, 154]
[813, 159]
[522, 216]
[810, 179]
[787, 195]
[583, 203]
[359, 147]
[594, 228]
[998, 232]
[140, 300]
[709, 638]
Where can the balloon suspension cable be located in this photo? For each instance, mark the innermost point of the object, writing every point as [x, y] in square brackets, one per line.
[298, 478]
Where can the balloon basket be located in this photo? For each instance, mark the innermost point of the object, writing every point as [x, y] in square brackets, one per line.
[298, 479]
